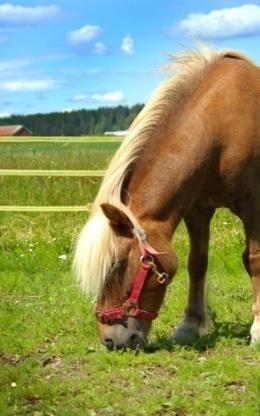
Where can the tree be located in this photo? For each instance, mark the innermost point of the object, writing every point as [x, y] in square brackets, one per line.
[76, 123]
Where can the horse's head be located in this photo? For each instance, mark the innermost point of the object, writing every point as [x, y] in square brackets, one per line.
[136, 284]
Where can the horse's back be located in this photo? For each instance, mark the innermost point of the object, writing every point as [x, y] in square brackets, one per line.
[237, 100]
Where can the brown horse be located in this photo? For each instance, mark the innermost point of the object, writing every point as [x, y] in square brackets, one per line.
[193, 148]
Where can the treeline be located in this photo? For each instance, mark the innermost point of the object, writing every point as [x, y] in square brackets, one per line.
[76, 123]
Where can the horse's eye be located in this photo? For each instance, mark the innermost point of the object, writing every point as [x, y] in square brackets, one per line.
[116, 272]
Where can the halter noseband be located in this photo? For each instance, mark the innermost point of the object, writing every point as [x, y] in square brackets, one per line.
[130, 307]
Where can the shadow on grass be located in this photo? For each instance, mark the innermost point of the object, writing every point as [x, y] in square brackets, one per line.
[221, 331]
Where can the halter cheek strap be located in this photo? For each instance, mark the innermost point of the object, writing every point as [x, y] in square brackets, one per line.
[130, 308]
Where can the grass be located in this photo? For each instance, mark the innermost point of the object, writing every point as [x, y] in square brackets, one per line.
[51, 360]
[52, 190]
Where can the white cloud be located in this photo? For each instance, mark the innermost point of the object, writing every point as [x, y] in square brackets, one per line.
[11, 15]
[29, 85]
[80, 97]
[13, 64]
[223, 23]
[127, 45]
[84, 36]
[4, 114]
[100, 48]
[109, 97]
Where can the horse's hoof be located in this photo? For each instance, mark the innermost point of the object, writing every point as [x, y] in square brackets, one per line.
[185, 334]
[255, 332]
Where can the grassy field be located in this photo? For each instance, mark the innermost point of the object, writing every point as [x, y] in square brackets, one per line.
[51, 360]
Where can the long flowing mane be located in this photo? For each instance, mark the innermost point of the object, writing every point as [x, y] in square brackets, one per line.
[97, 244]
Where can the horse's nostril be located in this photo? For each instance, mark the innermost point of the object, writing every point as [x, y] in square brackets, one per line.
[134, 339]
[109, 343]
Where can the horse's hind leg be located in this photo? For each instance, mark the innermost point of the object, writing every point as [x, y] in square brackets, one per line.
[251, 258]
[255, 271]
[197, 222]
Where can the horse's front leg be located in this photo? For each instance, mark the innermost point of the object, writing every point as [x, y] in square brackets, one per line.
[198, 223]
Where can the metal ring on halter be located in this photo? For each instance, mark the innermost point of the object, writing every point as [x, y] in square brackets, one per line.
[146, 259]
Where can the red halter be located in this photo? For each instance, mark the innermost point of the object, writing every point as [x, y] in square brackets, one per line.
[130, 307]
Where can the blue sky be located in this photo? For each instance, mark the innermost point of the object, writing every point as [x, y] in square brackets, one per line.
[72, 54]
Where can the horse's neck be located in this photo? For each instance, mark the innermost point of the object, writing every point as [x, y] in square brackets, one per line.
[169, 177]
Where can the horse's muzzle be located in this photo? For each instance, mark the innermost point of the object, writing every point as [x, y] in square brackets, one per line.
[134, 342]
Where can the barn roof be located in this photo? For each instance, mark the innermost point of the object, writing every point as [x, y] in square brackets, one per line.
[12, 130]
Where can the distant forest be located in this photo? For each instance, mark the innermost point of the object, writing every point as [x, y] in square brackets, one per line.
[76, 123]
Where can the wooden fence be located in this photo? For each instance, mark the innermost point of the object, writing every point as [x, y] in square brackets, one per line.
[63, 173]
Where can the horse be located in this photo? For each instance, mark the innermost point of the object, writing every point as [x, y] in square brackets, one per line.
[193, 148]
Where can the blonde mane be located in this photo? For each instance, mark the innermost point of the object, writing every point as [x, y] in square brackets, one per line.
[96, 247]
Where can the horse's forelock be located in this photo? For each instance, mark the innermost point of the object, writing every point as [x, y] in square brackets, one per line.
[96, 251]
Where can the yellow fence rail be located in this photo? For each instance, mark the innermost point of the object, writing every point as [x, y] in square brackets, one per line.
[9, 208]
[52, 173]
[38, 172]
[60, 140]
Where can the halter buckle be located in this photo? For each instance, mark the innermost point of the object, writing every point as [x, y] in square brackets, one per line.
[130, 308]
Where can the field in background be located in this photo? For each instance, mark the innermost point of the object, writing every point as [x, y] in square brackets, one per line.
[49, 190]
[51, 360]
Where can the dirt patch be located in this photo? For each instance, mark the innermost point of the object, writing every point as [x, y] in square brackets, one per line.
[10, 359]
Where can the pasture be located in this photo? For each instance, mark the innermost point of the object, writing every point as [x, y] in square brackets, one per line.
[51, 360]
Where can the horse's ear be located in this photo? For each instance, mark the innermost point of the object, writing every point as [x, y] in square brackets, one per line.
[118, 220]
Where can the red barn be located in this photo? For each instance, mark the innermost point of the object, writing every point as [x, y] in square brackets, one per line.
[14, 131]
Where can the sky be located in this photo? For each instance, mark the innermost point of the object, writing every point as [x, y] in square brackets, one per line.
[72, 54]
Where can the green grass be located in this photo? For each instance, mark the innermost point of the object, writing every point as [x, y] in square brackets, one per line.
[51, 190]
[56, 156]
[51, 359]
